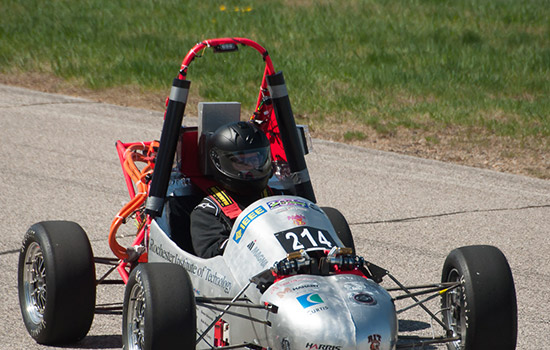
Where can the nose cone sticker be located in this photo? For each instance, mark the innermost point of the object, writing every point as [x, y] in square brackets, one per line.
[310, 299]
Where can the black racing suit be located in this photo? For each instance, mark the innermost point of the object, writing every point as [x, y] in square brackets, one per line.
[210, 226]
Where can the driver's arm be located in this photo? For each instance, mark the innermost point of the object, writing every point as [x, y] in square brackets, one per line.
[209, 229]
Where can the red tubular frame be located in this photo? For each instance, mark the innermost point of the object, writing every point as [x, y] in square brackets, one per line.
[264, 113]
[127, 156]
[133, 176]
[237, 41]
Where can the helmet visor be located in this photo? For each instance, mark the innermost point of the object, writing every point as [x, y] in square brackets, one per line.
[251, 164]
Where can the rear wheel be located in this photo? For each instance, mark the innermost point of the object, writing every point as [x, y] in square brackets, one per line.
[56, 282]
[341, 226]
[159, 308]
[483, 310]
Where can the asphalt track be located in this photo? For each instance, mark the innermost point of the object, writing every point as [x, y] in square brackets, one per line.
[406, 213]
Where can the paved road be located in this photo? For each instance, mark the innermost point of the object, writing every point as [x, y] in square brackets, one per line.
[59, 162]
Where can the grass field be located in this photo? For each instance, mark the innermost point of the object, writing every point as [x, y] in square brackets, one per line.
[426, 70]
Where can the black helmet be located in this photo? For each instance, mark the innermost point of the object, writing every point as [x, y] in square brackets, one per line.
[240, 158]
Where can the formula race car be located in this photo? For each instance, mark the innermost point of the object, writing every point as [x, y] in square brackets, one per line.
[289, 277]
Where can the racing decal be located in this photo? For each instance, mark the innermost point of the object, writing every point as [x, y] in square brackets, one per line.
[310, 286]
[374, 341]
[309, 300]
[203, 272]
[354, 286]
[287, 202]
[281, 288]
[167, 255]
[241, 227]
[313, 346]
[291, 280]
[313, 285]
[206, 318]
[282, 293]
[214, 278]
[305, 237]
[298, 220]
[258, 255]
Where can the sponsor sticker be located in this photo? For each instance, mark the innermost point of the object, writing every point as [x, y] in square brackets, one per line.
[314, 346]
[281, 294]
[257, 253]
[286, 202]
[194, 269]
[298, 220]
[313, 285]
[309, 300]
[354, 286]
[241, 227]
[374, 341]
[296, 289]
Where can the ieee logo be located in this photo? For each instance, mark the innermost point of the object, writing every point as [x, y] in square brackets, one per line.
[241, 227]
[310, 299]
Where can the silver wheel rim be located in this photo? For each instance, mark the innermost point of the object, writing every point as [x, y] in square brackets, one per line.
[136, 318]
[34, 283]
[455, 310]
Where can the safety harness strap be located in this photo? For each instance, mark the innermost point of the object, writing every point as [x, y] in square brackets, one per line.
[228, 206]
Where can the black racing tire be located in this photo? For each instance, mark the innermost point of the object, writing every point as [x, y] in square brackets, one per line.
[159, 308]
[341, 226]
[483, 311]
[56, 282]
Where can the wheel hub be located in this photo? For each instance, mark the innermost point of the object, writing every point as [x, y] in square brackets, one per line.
[136, 319]
[34, 279]
[454, 309]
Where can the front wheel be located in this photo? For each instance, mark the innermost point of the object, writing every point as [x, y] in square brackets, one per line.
[159, 308]
[482, 312]
[341, 226]
[56, 282]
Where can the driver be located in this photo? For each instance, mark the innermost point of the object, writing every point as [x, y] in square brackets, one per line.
[240, 159]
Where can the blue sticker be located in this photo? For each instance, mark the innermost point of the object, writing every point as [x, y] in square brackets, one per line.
[287, 202]
[241, 227]
[310, 299]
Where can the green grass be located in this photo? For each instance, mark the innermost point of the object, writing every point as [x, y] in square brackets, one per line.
[417, 64]
[354, 135]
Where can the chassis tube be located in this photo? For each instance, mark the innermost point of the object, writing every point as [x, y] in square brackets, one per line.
[167, 147]
[289, 136]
